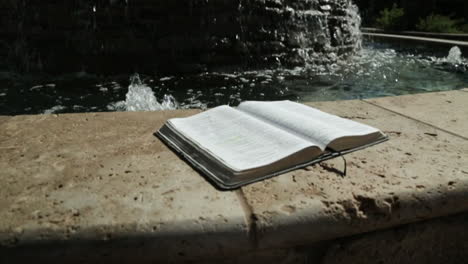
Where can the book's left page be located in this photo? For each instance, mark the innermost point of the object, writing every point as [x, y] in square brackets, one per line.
[238, 140]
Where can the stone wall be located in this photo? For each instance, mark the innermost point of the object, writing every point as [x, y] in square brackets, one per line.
[167, 35]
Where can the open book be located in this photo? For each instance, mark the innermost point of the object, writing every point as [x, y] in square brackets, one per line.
[257, 140]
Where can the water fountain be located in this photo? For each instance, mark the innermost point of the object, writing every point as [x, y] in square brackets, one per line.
[176, 36]
[201, 53]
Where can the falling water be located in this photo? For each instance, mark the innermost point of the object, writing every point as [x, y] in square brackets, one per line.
[354, 25]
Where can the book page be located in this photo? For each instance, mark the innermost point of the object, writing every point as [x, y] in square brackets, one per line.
[237, 139]
[307, 122]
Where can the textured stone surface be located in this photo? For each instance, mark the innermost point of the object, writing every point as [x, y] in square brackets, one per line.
[186, 35]
[102, 183]
[100, 187]
[442, 240]
[419, 173]
[3, 120]
[445, 110]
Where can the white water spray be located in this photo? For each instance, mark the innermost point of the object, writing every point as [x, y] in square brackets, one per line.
[354, 25]
[455, 55]
[140, 97]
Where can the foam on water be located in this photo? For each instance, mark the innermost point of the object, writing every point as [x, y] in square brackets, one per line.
[54, 109]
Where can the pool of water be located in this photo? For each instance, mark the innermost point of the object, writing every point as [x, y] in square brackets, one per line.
[377, 70]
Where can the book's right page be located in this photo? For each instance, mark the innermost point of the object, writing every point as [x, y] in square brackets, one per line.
[323, 129]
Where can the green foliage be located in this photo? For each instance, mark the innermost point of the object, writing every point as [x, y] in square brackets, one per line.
[439, 24]
[391, 19]
[464, 28]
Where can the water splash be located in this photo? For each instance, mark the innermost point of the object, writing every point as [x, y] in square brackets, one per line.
[140, 97]
[453, 62]
[378, 69]
[169, 103]
[54, 110]
[455, 55]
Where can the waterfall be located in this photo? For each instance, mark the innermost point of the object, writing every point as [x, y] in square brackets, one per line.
[354, 25]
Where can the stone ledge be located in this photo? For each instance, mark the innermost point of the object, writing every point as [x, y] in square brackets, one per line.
[443, 110]
[450, 36]
[103, 183]
[420, 173]
[100, 186]
[436, 241]
[426, 39]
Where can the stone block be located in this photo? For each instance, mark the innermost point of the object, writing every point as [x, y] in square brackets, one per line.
[420, 173]
[441, 240]
[103, 187]
[435, 109]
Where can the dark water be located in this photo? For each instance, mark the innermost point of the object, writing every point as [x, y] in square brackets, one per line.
[378, 70]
